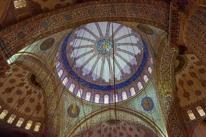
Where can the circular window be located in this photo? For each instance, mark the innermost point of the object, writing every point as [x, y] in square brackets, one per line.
[104, 59]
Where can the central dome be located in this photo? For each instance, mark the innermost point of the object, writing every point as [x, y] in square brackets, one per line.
[92, 48]
[103, 57]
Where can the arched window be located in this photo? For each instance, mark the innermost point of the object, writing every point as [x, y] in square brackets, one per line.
[11, 119]
[60, 73]
[19, 3]
[37, 126]
[124, 95]
[19, 123]
[79, 93]
[151, 60]
[57, 63]
[132, 91]
[200, 111]
[88, 95]
[28, 125]
[150, 70]
[65, 81]
[3, 114]
[145, 78]
[139, 84]
[96, 100]
[9, 61]
[190, 114]
[71, 88]
[106, 99]
[115, 98]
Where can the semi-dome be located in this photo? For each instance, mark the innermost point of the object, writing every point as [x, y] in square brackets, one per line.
[99, 60]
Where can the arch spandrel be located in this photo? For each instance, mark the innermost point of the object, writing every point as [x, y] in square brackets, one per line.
[40, 26]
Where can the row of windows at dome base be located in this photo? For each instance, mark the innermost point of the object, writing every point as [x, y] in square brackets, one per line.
[106, 97]
[20, 121]
[191, 114]
[61, 71]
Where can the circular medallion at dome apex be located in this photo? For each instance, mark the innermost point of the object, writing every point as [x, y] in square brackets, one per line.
[96, 55]
[104, 47]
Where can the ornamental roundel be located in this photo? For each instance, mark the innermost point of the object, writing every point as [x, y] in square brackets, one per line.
[73, 110]
[147, 103]
[104, 47]
[99, 55]
[47, 44]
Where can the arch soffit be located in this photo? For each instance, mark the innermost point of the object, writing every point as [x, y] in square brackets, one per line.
[95, 114]
[40, 26]
[166, 93]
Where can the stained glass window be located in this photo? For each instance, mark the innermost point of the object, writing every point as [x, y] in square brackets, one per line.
[3, 114]
[124, 95]
[28, 125]
[106, 99]
[150, 70]
[132, 91]
[115, 97]
[96, 98]
[145, 78]
[200, 111]
[190, 114]
[19, 3]
[60, 73]
[57, 63]
[8, 61]
[37, 126]
[88, 95]
[71, 88]
[11, 119]
[19, 123]
[79, 93]
[65, 81]
[139, 84]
